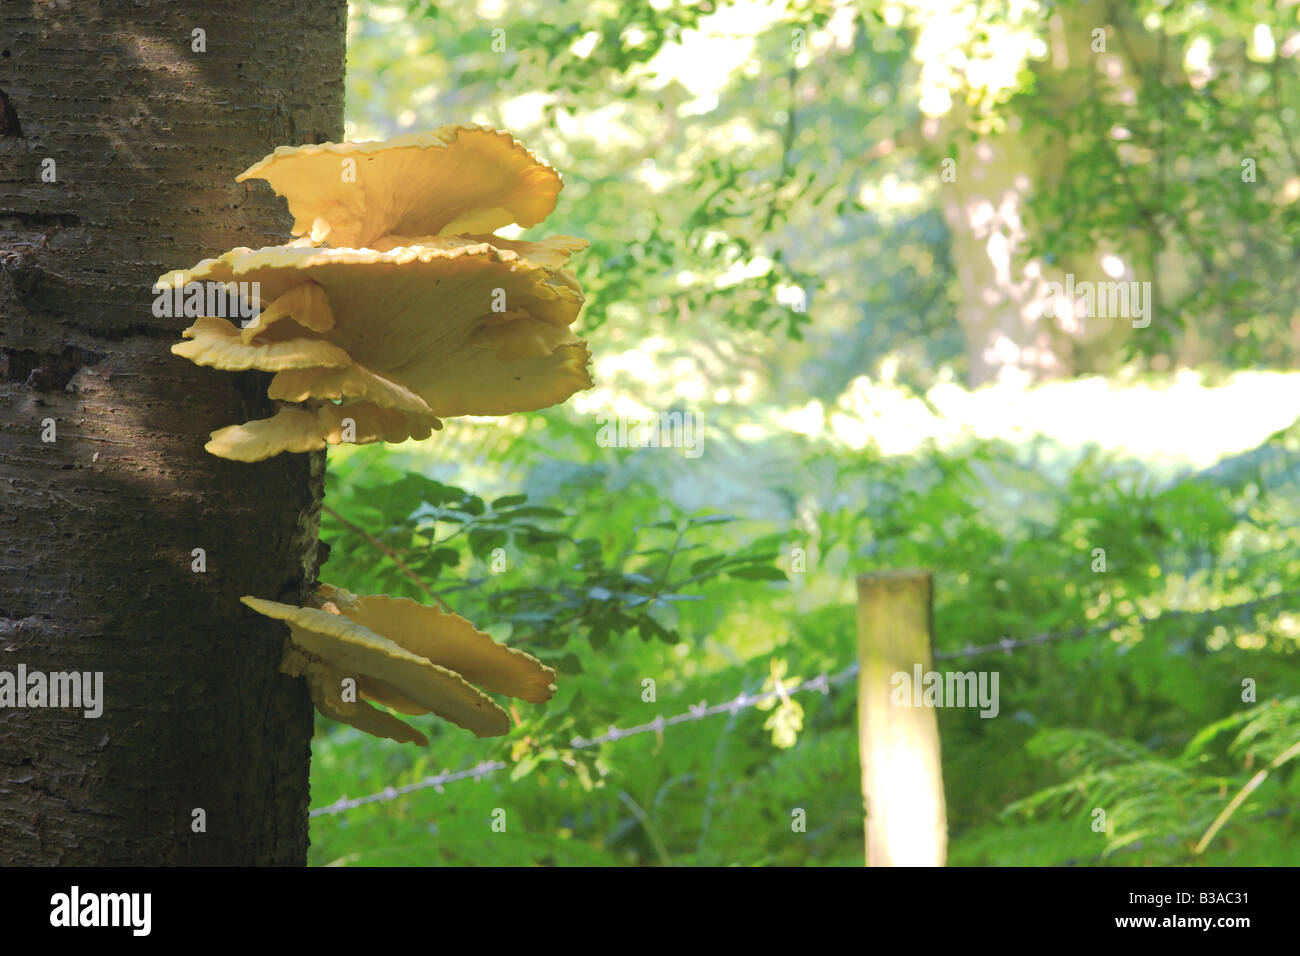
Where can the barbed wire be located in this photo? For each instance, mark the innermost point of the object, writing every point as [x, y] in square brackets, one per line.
[392, 793]
[1007, 644]
[823, 683]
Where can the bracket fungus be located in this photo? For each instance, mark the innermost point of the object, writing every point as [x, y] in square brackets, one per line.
[453, 180]
[409, 657]
[412, 311]
[394, 308]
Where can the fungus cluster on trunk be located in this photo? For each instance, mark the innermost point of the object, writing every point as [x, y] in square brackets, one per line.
[393, 308]
[406, 656]
[396, 307]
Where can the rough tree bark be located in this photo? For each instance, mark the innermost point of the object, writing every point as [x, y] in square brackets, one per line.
[98, 526]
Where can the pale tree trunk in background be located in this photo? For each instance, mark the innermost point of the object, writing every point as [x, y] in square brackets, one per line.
[97, 528]
[1009, 323]
[1000, 310]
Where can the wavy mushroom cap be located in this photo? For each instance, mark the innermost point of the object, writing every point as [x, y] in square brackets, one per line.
[434, 327]
[451, 326]
[406, 656]
[449, 640]
[295, 429]
[553, 252]
[455, 179]
[355, 650]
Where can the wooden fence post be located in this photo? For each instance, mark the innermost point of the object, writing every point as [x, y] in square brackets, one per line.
[902, 779]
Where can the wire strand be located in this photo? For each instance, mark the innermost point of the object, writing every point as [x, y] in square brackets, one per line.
[742, 701]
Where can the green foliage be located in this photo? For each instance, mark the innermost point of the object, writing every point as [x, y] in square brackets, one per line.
[1195, 182]
[678, 193]
[510, 563]
[1162, 807]
[708, 210]
[1010, 533]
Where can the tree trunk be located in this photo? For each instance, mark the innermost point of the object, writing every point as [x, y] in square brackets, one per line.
[1005, 311]
[143, 124]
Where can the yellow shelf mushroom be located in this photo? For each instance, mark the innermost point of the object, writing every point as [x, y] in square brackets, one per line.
[452, 180]
[404, 655]
[447, 326]
[412, 312]
[394, 309]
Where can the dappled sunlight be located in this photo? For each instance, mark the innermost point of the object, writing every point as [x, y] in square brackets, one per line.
[704, 59]
[915, 286]
[961, 48]
[1170, 421]
[824, 413]
[897, 196]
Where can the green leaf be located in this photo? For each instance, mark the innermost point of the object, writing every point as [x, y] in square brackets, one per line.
[524, 767]
[536, 511]
[447, 556]
[758, 572]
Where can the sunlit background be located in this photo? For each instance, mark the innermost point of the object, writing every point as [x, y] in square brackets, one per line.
[872, 354]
